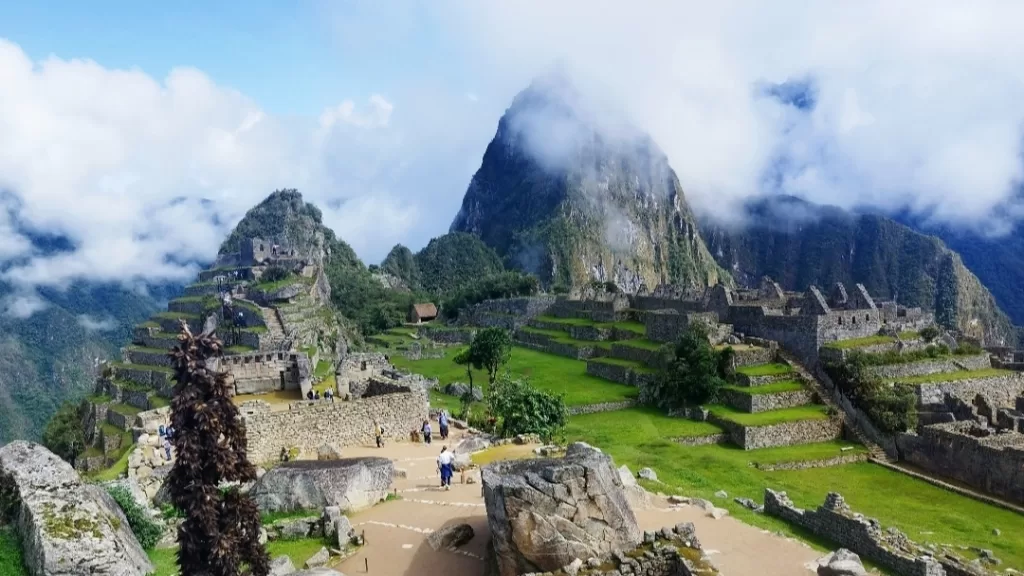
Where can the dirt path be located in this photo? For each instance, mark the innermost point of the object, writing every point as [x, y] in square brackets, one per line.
[396, 531]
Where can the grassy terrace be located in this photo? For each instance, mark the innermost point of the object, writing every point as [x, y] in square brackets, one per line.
[860, 342]
[564, 338]
[239, 349]
[910, 335]
[635, 366]
[773, 369]
[272, 286]
[149, 367]
[638, 438]
[813, 412]
[545, 371]
[176, 315]
[159, 402]
[773, 388]
[952, 376]
[98, 398]
[636, 327]
[164, 559]
[148, 349]
[642, 343]
[125, 409]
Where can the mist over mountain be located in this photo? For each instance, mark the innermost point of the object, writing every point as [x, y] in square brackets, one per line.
[573, 192]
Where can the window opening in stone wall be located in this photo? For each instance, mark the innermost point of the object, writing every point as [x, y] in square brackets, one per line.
[362, 365]
[867, 317]
[853, 319]
[840, 320]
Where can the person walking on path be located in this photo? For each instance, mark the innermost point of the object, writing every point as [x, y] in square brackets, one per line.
[378, 431]
[442, 422]
[426, 431]
[444, 466]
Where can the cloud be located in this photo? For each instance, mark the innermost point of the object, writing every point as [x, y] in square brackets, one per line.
[22, 305]
[914, 104]
[96, 325]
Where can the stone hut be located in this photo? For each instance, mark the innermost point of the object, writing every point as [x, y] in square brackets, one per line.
[424, 312]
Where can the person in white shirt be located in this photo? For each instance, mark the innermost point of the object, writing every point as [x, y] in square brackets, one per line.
[444, 466]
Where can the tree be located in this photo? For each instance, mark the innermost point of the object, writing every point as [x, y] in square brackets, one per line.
[523, 409]
[219, 535]
[63, 435]
[491, 348]
[693, 374]
[465, 358]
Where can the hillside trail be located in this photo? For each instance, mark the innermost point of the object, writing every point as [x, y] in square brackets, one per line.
[396, 531]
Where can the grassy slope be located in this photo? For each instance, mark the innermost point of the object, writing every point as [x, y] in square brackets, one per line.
[773, 388]
[11, 563]
[951, 376]
[860, 342]
[811, 412]
[545, 371]
[165, 559]
[924, 512]
[773, 369]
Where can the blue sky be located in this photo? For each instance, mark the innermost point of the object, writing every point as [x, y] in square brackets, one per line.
[379, 112]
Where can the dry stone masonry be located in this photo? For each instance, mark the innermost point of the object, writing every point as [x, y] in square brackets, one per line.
[349, 483]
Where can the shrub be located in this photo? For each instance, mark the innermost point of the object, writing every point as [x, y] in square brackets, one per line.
[503, 285]
[929, 333]
[146, 531]
[968, 349]
[693, 373]
[275, 274]
[892, 408]
[63, 435]
[522, 409]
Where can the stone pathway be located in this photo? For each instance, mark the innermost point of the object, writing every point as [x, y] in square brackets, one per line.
[396, 531]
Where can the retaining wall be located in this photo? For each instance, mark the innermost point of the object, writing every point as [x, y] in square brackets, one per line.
[261, 372]
[753, 403]
[784, 434]
[147, 358]
[343, 423]
[635, 354]
[602, 407]
[195, 307]
[1002, 390]
[935, 366]
[613, 372]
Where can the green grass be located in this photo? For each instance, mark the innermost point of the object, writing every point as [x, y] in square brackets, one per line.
[567, 321]
[910, 335]
[176, 315]
[239, 349]
[125, 409]
[951, 376]
[149, 349]
[150, 367]
[773, 369]
[273, 286]
[256, 329]
[773, 388]
[159, 402]
[545, 371]
[309, 350]
[860, 342]
[926, 513]
[323, 368]
[631, 326]
[642, 343]
[635, 366]
[120, 468]
[813, 412]
[564, 338]
[165, 559]
[99, 399]
[638, 420]
[11, 561]
[148, 324]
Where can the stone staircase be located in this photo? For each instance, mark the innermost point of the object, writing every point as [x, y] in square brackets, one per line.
[876, 451]
[275, 330]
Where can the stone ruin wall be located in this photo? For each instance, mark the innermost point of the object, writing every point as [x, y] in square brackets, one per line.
[804, 334]
[508, 313]
[890, 548]
[753, 403]
[783, 434]
[651, 303]
[341, 423]
[992, 464]
[924, 367]
[1000, 390]
[668, 325]
[263, 372]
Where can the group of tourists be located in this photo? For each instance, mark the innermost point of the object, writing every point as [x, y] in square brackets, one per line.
[315, 395]
[166, 433]
[442, 424]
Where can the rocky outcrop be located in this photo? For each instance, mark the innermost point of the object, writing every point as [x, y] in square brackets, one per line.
[451, 536]
[545, 513]
[349, 483]
[842, 562]
[67, 528]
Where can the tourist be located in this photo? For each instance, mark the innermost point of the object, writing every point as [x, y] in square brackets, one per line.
[328, 395]
[167, 449]
[426, 431]
[284, 454]
[161, 431]
[444, 466]
[309, 395]
[379, 430]
[442, 423]
[317, 395]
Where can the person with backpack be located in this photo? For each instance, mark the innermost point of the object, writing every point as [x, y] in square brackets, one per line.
[444, 466]
[442, 423]
[426, 431]
[380, 435]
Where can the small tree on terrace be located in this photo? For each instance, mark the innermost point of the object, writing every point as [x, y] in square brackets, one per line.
[491, 348]
[693, 375]
[523, 409]
[220, 532]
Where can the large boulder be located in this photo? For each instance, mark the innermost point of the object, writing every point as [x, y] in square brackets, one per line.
[471, 444]
[67, 528]
[842, 562]
[545, 513]
[451, 536]
[350, 484]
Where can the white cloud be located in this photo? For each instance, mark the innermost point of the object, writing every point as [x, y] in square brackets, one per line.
[22, 305]
[919, 103]
[96, 324]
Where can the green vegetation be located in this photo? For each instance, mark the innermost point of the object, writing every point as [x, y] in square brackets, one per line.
[693, 375]
[146, 531]
[911, 334]
[548, 372]
[643, 343]
[893, 409]
[125, 409]
[165, 559]
[119, 469]
[523, 409]
[63, 434]
[810, 412]
[158, 402]
[773, 388]
[860, 342]
[176, 316]
[451, 261]
[268, 286]
[11, 560]
[951, 376]
[635, 366]
[501, 285]
[323, 368]
[773, 369]
[930, 352]
[561, 337]
[651, 422]
[639, 438]
[239, 349]
[401, 264]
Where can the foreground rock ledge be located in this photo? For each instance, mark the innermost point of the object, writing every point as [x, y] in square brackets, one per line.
[546, 513]
[349, 483]
[67, 528]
